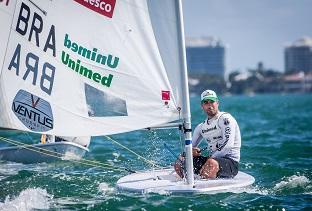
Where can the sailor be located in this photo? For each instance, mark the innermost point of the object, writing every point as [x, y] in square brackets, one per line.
[222, 134]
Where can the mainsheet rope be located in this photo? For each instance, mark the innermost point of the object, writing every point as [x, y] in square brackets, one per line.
[82, 161]
[139, 156]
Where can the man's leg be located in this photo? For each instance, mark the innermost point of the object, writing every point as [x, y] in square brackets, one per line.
[209, 169]
[219, 167]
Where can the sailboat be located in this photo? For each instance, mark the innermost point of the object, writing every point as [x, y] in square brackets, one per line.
[48, 149]
[89, 68]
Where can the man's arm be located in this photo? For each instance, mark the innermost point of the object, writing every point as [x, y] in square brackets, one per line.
[197, 137]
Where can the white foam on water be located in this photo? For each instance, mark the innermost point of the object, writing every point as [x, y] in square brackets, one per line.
[252, 190]
[71, 156]
[292, 182]
[248, 165]
[160, 192]
[68, 202]
[9, 169]
[29, 199]
[115, 154]
[62, 176]
[104, 188]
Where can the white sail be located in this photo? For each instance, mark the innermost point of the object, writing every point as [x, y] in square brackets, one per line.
[81, 68]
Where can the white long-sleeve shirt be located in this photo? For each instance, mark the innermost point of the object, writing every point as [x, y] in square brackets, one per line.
[222, 134]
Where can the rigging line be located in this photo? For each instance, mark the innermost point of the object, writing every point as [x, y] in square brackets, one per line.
[91, 161]
[172, 152]
[144, 159]
[29, 147]
[52, 152]
[60, 155]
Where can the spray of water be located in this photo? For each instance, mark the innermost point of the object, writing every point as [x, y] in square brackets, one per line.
[28, 199]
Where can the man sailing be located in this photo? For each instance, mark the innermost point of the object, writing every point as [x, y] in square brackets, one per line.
[222, 134]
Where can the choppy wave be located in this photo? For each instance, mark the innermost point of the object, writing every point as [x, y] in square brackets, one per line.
[293, 183]
[253, 189]
[29, 199]
[104, 188]
[9, 169]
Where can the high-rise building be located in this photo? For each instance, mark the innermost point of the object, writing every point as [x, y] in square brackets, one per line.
[205, 56]
[298, 56]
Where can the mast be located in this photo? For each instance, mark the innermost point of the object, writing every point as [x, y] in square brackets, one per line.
[186, 100]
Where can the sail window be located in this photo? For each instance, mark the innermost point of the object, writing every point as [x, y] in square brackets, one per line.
[101, 104]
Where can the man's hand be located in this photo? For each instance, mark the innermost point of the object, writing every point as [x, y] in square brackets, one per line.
[196, 152]
[178, 166]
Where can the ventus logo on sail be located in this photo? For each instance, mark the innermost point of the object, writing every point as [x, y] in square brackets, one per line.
[38, 68]
[34, 112]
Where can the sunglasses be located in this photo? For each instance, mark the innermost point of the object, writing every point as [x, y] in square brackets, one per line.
[208, 101]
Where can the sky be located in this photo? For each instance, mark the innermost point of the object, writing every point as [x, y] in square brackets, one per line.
[252, 30]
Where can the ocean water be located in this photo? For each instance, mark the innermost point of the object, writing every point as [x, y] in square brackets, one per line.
[276, 150]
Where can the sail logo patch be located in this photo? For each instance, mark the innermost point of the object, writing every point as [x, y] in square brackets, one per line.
[34, 112]
[165, 95]
[103, 7]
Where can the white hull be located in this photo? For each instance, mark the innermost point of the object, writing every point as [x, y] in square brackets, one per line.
[48, 152]
[167, 181]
